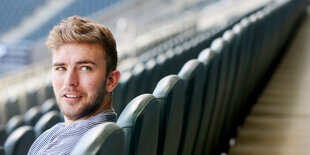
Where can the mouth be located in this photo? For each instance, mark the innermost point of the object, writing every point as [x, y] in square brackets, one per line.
[72, 97]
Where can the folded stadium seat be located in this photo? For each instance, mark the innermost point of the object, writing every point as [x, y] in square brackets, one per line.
[2, 150]
[46, 121]
[253, 50]
[169, 64]
[194, 76]
[165, 64]
[49, 92]
[160, 72]
[14, 123]
[245, 56]
[178, 59]
[207, 58]
[19, 141]
[139, 77]
[11, 108]
[106, 139]
[229, 54]
[3, 134]
[249, 52]
[221, 63]
[32, 116]
[171, 91]
[204, 40]
[49, 105]
[259, 42]
[31, 98]
[187, 52]
[149, 75]
[238, 81]
[193, 42]
[121, 91]
[140, 122]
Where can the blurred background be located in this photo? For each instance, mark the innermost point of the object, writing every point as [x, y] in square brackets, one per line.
[154, 38]
[138, 26]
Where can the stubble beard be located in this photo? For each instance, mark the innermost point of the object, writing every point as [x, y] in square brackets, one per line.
[88, 108]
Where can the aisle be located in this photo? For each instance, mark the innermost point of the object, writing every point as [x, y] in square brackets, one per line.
[279, 122]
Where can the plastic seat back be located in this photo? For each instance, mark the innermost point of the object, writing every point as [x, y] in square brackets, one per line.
[2, 151]
[206, 57]
[19, 141]
[11, 108]
[121, 92]
[3, 134]
[171, 90]
[32, 116]
[140, 122]
[105, 139]
[46, 121]
[14, 123]
[49, 105]
[194, 76]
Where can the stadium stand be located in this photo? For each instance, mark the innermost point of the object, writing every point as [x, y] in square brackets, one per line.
[12, 14]
[78, 7]
[230, 62]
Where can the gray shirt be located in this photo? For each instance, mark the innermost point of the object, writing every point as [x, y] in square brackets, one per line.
[61, 139]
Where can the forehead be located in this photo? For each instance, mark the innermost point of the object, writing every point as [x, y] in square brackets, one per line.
[79, 51]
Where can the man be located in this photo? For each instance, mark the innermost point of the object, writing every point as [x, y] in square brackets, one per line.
[84, 74]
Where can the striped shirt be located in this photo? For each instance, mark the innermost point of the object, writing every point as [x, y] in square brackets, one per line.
[61, 138]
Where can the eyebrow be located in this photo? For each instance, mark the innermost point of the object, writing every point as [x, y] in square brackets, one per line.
[58, 64]
[79, 63]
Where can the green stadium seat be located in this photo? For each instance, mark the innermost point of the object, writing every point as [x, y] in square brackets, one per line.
[3, 134]
[11, 108]
[49, 105]
[32, 116]
[194, 76]
[2, 150]
[106, 139]
[140, 122]
[171, 90]
[14, 123]
[19, 141]
[121, 91]
[207, 58]
[46, 121]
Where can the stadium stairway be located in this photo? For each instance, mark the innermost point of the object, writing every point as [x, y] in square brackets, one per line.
[279, 121]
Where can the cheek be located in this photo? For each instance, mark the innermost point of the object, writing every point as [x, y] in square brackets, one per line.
[57, 81]
[90, 84]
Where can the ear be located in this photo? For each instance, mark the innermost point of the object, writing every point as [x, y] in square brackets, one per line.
[112, 80]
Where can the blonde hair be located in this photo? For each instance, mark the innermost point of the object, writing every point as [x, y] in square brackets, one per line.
[77, 29]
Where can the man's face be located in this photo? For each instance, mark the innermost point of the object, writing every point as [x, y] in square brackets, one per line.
[79, 79]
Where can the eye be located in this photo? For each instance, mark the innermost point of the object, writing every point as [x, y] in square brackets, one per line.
[60, 68]
[86, 68]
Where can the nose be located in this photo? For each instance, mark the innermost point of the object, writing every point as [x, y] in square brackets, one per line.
[71, 78]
